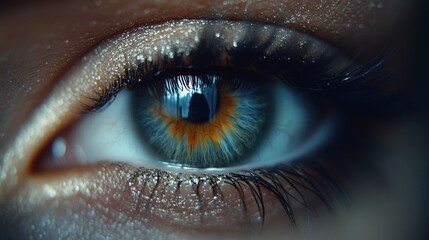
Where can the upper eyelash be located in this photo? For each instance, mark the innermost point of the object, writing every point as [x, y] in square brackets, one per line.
[148, 71]
[104, 97]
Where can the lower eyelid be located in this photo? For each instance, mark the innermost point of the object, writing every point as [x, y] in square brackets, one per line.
[200, 204]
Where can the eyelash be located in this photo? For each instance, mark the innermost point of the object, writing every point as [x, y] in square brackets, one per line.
[296, 174]
[351, 76]
[308, 175]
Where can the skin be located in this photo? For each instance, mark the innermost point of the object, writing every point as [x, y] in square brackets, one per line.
[40, 42]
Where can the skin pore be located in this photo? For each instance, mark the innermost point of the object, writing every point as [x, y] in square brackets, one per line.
[41, 41]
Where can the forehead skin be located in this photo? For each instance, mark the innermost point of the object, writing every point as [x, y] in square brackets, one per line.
[40, 40]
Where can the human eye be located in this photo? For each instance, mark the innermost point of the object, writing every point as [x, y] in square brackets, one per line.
[201, 95]
[116, 146]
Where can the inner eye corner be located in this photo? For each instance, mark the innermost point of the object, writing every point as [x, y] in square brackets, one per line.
[42, 161]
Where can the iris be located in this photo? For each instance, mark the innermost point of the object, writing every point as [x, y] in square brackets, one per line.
[201, 121]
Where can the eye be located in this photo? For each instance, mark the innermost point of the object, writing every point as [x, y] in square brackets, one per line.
[204, 105]
[195, 122]
[224, 111]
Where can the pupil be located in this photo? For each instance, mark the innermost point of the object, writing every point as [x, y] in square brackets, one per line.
[199, 111]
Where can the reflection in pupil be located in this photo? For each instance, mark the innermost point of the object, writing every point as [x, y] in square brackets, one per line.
[199, 111]
[197, 105]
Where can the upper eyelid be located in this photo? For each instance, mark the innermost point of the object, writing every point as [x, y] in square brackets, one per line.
[107, 63]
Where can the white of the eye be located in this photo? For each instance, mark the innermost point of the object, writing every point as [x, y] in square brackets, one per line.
[284, 140]
[111, 135]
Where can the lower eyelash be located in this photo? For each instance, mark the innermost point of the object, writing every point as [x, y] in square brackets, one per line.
[288, 183]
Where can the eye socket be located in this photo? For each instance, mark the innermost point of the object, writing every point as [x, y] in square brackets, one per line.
[150, 62]
[244, 68]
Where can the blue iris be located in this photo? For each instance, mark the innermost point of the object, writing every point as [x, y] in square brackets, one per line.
[201, 122]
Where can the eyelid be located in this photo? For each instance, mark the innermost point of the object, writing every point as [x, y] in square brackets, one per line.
[93, 73]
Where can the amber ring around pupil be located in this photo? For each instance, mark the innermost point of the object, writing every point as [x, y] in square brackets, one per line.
[208, 123]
